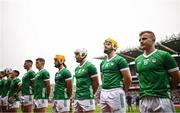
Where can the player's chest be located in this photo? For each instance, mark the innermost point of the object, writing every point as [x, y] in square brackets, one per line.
[109, 66]
[38, 76]
[148, 64]
[81, 72]
[58, 76]
[25, 77]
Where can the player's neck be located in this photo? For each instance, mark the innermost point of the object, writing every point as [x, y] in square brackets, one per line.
[149, 50]
[82, 62]
[13, 78]
[28, 69]
[40, 68]
[61, 67]
[112, 54]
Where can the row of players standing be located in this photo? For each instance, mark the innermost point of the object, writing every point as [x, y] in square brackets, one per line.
[157, 72]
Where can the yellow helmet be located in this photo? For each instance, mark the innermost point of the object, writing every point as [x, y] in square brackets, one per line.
[114, 43]
[59, 58]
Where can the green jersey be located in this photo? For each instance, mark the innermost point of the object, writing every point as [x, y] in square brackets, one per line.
[60, 91]
[6, 86]
[83, 75]
[153, 70]
[110, 72]
[14, 87]
[1, 86]
[26, 83]
[40, 90]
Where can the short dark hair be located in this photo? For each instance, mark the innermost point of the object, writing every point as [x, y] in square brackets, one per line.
[17, 72]
[149, 32]
[41, 60]
[30, 61]
[2, 72]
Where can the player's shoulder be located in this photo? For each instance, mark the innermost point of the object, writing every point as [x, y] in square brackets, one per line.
[162, 52]
[88, 63]
[139, 57]
[66, 70]
[17, 79]
[31, 71]
[44, 71]
[119, 58]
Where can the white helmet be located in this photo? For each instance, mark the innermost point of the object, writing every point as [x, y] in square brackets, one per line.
[82, 52]
[8, 70]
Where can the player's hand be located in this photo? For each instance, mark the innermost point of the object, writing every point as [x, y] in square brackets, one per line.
[49, 100]
[71, 104]
[16, 94]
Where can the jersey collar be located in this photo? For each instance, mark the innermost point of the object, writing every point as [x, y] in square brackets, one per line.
[41, 70]
[111, 58]
[61, 69]
[82, 64]
[146, 56]
[29, 70]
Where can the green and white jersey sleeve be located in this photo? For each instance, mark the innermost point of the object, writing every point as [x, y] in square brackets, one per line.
[153, 70]
[111, 72]
[83, 75]
[14, 87]
[40, 91]
[170, 63]
[60, 91]
[27, 88]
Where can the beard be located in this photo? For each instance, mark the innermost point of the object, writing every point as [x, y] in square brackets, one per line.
[108, 50]
[78, 61]
[57, 65]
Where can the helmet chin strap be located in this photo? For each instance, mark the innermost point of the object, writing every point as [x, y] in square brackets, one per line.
[83, 58]
[58, 65]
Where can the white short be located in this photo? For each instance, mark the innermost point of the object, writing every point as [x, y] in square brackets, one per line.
[86, 105]
[27, 100]
[156, 104]
[60, 106]
[4, 101]
[14, 105]
[40, 103]
[113, 100]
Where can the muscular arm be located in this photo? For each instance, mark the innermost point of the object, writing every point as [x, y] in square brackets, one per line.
[69, 86]
[95, 80]
[127, 79]
[175, 79]
[48, 86]
[19, 86]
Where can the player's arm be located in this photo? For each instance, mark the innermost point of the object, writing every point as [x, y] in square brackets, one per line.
[32, 78]
[175, 78]
[32, 82]
[173, 69]
[127, 79]
[19, 86]
[95, 82]
[48, 86]
[69, 86]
